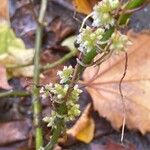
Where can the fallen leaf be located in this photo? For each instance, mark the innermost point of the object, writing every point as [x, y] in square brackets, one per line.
[11, 132]
[50, 76]
[111, 145]
[60, 29]
[3, 79]
[104, 90]
[83, 129]
[84, 6]
[14, 53]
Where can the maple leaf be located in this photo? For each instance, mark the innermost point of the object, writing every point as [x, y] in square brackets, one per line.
[84, 6]
[104, 90]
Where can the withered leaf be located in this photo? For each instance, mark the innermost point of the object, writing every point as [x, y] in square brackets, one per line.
[136, 86]
[14, 131]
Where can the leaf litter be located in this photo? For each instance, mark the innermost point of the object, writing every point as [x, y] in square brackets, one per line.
[125, 89]
[135, 86]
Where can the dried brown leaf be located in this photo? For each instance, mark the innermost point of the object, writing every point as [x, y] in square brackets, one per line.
[136, 86]
[14, 131]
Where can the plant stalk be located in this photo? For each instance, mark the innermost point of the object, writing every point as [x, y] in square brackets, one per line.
[132, 4]
[87, 59]
[12, 93]
[35, 91]
[60, 61]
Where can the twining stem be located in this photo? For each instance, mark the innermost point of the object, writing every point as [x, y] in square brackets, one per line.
[35, 92]
[12, 93]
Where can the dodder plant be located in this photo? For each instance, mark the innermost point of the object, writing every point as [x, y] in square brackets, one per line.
[103, 37]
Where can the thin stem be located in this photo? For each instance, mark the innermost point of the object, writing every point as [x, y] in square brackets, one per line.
[59, 127]
[18, 66]
[60, 61]
[85, 19]
[35, 92]
[56, 134]
[12, 93]
[122, 96]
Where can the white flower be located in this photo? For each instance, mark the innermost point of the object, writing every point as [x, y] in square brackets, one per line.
[65, 74]
[76, 88]
[48, 86]
[41, 148]
[119, 42]
[42, 90]
[59, 90]
[103, 13]
[89, 38]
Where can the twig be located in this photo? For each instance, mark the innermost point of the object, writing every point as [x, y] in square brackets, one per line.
[60, 61]
[33, 11]
[35, 92]
[12, 93]
[122, 97]
[18, 66]
[84, 20]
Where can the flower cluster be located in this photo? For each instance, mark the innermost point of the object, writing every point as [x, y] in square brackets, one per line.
[66, 74]
[58, 92]
[103, 13]
[91, 38]
[72, 106]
